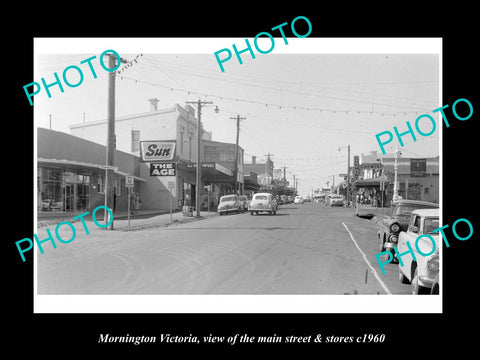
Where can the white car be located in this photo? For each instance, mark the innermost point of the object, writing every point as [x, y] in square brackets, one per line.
[421, 273]
[298, 200]
[336, 200]
[229, 203]
[263, 202]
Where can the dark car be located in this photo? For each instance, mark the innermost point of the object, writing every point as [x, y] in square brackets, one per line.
[397, 220]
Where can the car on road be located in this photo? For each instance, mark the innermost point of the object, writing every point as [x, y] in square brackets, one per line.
[243, 202]
[263, 202]
[336, 200]
[229, 203]
[396, 220]
[421, 267]
[298, 200]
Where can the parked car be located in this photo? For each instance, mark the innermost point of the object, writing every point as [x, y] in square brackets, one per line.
[336, 200]
[263, 202]
[229, 203]
[298, 200]
[422, 272]
[396, 220]
[243, 203]
[307, 199]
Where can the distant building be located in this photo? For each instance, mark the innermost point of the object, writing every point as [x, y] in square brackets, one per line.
[264, 170]
[418, 178]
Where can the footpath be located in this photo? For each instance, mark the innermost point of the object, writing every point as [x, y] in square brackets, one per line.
[143, 220]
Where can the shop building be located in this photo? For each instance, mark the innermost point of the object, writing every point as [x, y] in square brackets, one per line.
[418, 179]
[263, 170]
[70, 177]
[170, 179]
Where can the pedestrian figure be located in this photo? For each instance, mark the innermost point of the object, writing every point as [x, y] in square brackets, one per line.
[138, 203]
[132, 203]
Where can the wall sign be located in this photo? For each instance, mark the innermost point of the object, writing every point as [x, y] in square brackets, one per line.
[157, 150]
[163, 169]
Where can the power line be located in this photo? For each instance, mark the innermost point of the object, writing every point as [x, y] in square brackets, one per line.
[274, 105]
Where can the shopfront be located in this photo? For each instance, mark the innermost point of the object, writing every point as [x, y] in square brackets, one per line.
[70, 177]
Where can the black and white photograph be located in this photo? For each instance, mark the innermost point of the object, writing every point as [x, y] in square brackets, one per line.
[313, 167]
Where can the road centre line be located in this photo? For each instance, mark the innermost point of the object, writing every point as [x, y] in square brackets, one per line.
[385, 288]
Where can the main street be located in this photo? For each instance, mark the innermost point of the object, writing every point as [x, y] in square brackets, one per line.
[304, 249]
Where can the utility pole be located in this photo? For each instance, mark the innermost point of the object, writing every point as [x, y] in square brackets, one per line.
[267, 168]
[198, 183]
[348, 178]
[235, 174]
[395, 183]
[109, 189]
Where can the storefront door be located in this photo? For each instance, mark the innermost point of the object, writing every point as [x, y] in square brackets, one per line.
[82, 197]
[68, 197]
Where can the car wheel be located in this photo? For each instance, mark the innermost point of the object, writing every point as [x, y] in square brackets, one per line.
[238, 211]
[382, 245]
[256, 212]
[251, 212]
[416, 288]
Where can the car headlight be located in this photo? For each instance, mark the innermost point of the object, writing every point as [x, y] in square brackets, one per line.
[433, 263]
[393, 238]
[395, 227]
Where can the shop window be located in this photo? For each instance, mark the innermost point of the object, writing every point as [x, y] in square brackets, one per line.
[100, 185]
[50, 188]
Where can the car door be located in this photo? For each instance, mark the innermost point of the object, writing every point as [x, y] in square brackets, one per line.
[410, 235]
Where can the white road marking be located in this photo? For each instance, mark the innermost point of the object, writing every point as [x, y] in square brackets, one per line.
[368, 263]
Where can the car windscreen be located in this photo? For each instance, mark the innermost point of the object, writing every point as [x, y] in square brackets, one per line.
[431, 224]
[260, 197]
[227, 198]
[406, 209]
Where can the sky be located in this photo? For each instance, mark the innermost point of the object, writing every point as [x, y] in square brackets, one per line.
[304, 102]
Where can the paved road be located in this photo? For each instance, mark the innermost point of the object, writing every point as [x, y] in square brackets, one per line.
[304, 249]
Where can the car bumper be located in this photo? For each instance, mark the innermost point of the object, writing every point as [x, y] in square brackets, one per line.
[426, 281]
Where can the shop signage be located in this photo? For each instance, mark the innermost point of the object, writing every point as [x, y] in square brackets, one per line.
[418, 167]
[157, 150]
[129, 181]
[204, 165]
[163, 169]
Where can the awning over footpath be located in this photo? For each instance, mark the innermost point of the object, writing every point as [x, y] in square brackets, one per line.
[72, 164]
[375, 182]
[211, 172]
